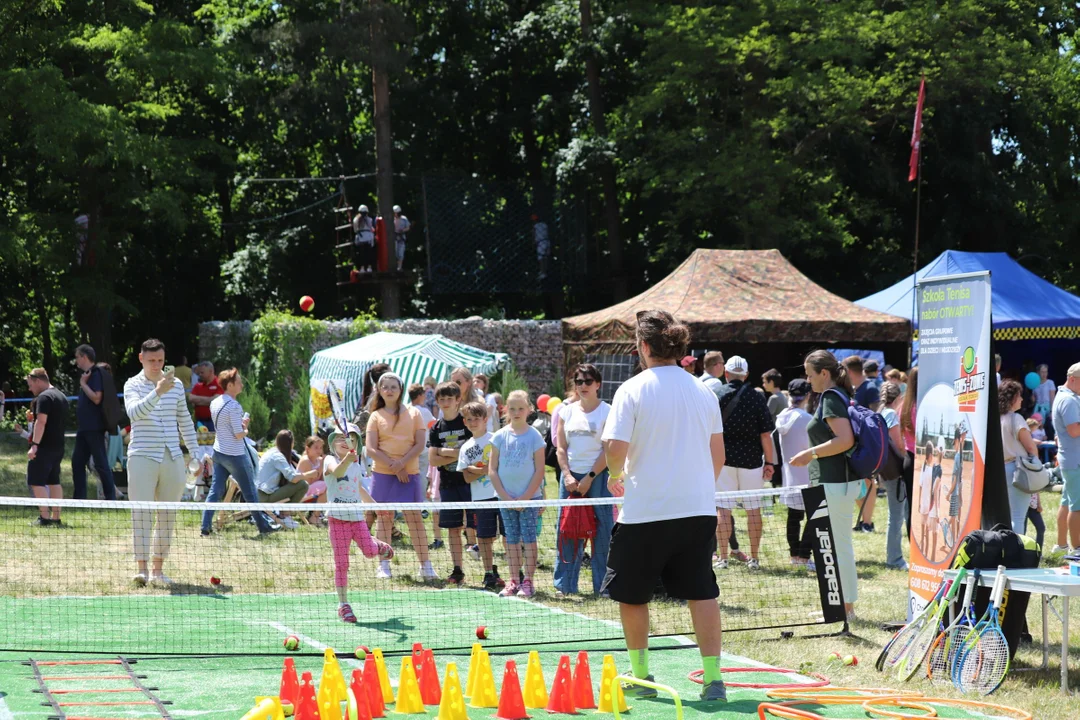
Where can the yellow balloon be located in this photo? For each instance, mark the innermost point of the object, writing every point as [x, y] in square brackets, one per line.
[553, 404]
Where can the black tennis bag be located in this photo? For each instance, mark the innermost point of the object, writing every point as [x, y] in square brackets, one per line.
[986, 550]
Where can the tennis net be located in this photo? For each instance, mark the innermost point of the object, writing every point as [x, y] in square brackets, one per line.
[72, 587]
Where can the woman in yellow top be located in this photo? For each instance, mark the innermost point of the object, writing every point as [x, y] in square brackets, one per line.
[395, 438]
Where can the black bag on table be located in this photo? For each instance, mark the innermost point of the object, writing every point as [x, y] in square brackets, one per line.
[986, 550]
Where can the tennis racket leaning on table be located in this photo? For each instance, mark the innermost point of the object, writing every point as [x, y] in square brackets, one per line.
[898, 646]
[983, 659]
[942, 655]
[915, 657]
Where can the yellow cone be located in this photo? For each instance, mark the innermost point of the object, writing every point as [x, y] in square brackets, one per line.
[384, 677]
[408, 692]
[452, 706]
[536, 695]
[266, 708]
[474, 664]
[332, 677]
[484, 695]
[608, 687]
[329, 707]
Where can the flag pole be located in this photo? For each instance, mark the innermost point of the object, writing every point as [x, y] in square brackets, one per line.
[915, 173]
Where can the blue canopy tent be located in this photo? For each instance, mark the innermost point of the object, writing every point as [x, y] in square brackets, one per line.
[1034, 321]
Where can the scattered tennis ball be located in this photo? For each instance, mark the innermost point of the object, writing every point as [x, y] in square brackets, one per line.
[292, 643]
[362, 652]
[851, 660]
[215, 581]
[835, 657]
[481, 633]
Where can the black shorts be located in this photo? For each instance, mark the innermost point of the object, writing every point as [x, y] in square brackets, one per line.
[488, 522]
[450, 519]
[44, 469]
[679, 552]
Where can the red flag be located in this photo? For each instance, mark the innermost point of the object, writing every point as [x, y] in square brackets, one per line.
[916, 133]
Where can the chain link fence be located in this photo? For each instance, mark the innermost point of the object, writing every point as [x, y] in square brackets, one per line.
[492, 237]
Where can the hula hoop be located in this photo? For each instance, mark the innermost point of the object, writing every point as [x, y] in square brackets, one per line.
[928, 711]
[918, 703]
[831, 696]
[820, 681]
[783, 710]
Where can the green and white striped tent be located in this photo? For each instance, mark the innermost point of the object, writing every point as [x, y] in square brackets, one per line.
[413, 357]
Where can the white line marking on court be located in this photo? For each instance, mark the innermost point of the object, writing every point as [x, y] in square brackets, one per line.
[305, 639]
[5, 711]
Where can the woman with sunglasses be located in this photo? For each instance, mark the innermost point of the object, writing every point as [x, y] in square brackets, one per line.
[584, 474]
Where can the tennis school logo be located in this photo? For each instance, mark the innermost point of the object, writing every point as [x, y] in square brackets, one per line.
[971, 382]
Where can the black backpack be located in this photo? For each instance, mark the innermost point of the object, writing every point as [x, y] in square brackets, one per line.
[110, 404]
[986, 549]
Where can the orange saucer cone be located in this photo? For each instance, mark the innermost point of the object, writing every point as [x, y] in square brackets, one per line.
[290, 686]
[430, 692]
[511, 701]
[307, 705]
[372, 686]
[561, 698]
[583, 692]
[362, 711]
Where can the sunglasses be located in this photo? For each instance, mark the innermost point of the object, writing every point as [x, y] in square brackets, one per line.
[584, 381]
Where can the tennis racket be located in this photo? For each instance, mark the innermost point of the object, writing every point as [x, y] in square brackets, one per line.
[940, 659]
[915, 657]
[337, 410]
[984, 659]
[900, 643]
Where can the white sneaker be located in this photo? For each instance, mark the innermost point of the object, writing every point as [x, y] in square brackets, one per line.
[1060, 549]
[140, 578]
[384, 570]
[720, 564]
[289, 523]
[160, 578]
[474, 552]
[427, 572]
[753, 564]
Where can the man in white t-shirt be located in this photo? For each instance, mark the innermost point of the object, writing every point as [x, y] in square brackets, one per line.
[664, 444]
[713, 377]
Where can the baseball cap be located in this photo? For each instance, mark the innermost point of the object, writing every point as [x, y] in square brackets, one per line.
[362, 208]
[1074, 370]
[737, 365]
[799, 388]
[38, 374]
[397, 208]
[687, 361]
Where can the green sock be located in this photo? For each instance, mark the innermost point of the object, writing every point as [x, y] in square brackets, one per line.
[639, 662]
[712, 668]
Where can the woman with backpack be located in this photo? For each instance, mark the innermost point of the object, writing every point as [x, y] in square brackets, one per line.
[831, 436]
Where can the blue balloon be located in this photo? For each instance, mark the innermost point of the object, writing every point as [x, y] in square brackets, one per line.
[1032, 380]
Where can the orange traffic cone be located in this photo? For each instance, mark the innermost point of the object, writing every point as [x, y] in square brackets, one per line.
[561, 699]
[583, 692]
[359, 697]
[511, 701]
[374, 692]
[290, 686]
[307, 705]
[430, 692]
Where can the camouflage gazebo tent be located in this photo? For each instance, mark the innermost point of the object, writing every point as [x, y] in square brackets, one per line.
[749, 302]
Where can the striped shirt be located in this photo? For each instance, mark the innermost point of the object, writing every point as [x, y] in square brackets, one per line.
[157, 421]
[228, 417]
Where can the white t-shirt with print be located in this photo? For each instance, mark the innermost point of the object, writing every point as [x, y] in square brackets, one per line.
[669, 417]
[1042, 393]
[473, 451]
[583, 431]
[345, 490]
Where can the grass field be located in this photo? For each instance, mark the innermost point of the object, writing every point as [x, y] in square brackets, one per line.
[225, 686]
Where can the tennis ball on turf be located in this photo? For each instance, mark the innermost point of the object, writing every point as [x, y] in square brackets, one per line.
[851, 660]
[292, 643]
[362, 652]
[835, 657]
[215, 580]
[481, 633]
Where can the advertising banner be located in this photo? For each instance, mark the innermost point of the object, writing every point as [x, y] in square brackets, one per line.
[819, 530]
[954, 414]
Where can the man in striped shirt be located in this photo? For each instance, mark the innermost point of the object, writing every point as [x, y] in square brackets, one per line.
[156, 404]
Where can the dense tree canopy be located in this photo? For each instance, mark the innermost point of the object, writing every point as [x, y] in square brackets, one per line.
[755, 123]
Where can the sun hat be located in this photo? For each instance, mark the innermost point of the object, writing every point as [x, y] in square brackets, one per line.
[335, 433]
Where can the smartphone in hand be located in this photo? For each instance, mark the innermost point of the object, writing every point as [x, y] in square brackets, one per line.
[168, 369]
